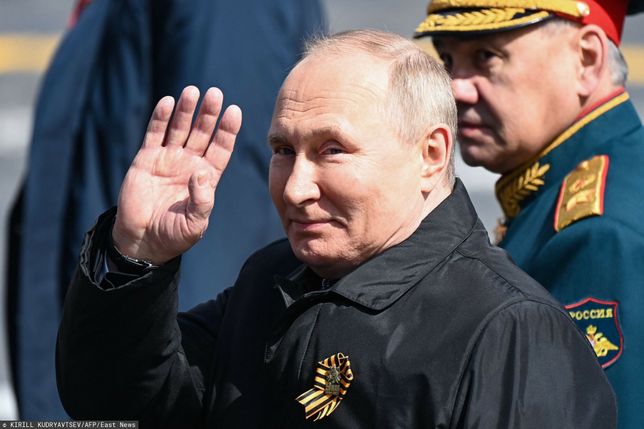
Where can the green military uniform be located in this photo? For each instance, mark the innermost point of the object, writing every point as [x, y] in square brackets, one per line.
[575, 224]
[573, 213]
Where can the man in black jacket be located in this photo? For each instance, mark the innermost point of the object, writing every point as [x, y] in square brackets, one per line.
[386, 307]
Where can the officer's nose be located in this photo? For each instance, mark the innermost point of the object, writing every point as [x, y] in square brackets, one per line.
[301, 185]
[464, 90]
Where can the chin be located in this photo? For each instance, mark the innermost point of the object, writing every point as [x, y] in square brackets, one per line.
[474, 157]
[324, 264]
[308, 254]
[470, 156]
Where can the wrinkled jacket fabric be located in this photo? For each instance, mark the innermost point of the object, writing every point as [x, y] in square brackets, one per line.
[441, 331]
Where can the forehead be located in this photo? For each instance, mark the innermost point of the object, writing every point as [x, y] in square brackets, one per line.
[333, 89]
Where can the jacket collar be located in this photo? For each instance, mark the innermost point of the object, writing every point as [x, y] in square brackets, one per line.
[580, 141]
[380, 281]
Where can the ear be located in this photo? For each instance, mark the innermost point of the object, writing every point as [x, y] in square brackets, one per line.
[593, 60]
[437, 154]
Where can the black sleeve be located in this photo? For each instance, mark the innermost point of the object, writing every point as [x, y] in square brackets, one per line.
[125, 353]
[532, 368]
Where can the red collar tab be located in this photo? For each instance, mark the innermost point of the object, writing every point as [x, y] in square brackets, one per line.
[601, 102]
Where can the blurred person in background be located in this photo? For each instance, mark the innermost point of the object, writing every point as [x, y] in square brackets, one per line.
[539, 87]
[117, 59]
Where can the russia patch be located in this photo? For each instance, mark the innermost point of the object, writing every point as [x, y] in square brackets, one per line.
[599, 322]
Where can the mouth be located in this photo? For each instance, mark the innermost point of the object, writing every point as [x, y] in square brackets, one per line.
[305, 222]
[473, 129]
[310, 225]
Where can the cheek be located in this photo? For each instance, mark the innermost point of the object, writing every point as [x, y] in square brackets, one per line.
[372, 199]
[508, 116]
[276, 183]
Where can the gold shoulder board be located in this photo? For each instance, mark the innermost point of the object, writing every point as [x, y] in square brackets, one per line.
[582, 192]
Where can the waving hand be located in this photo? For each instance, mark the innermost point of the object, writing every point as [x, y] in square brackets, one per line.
[168, 192]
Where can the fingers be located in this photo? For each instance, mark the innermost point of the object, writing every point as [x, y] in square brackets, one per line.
[159, 122]
[219, 152]
[202, 197]
[182, 119]
[178, 130]
[206, 120]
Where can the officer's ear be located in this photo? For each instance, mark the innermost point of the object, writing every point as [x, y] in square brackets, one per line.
[593, 71]
[437, 153]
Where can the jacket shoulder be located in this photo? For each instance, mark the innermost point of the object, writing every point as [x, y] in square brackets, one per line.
[491, 275]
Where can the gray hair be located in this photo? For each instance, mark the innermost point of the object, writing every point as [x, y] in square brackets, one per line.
[419, 85]
[617, 66]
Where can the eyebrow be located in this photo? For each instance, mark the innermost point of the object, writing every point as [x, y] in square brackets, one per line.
[329, 131]
[275, 139]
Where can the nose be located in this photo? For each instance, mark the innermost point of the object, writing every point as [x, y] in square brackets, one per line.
[301, 185]
[464, 90]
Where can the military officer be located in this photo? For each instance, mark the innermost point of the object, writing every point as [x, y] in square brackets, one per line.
[540, 93]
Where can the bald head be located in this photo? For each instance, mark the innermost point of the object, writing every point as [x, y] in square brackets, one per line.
[419, 92]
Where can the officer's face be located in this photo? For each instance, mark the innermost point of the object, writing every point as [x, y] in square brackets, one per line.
[514, 92]
[344, 184]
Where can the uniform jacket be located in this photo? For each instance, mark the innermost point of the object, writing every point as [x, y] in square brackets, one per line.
[96, 98]
[580, 234]
[440, 331]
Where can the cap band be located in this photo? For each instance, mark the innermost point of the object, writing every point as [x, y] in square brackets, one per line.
[479, 20]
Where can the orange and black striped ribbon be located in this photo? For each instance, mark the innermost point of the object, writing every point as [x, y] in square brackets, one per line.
[333, 376]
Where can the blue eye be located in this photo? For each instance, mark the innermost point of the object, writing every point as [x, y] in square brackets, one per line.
[334, 151]
[283, 150]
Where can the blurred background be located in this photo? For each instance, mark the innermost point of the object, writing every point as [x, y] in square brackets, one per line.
[30, 31]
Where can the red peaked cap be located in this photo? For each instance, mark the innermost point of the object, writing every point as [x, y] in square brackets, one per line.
[607, 14]
[462, 16]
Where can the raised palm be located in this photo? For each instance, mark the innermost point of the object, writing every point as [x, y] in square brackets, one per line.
[168, 192]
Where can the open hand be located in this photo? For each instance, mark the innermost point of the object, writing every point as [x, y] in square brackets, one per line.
[168, 192]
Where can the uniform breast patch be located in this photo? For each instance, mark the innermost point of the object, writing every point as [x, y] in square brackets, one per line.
[333, 377]
[599, 322]
[582, 192]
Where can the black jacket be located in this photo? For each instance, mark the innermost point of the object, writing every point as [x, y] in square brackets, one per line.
[441, 331]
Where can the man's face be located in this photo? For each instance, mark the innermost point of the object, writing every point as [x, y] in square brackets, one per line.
[514, 92]
[343, 183]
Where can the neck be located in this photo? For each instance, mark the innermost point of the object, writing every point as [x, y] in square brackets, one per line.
[435, 197]
[599, 99]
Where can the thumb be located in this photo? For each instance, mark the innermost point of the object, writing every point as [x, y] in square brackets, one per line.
[201, 195]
